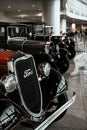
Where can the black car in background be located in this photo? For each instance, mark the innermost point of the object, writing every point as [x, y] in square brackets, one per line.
[36, 40]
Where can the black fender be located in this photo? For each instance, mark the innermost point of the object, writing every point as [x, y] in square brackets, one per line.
[49, 86]
[71, 51]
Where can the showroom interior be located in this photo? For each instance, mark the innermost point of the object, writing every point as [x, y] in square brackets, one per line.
[43, 64]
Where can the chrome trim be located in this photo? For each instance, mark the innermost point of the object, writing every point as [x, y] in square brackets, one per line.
[10, 66]
[30, 112]
[57, 113]
[62, 85]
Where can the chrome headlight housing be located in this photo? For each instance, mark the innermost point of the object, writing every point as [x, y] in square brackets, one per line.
[45, 68]
[9, 83]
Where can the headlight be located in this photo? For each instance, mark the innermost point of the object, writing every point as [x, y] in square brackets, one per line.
[45, 69]
[9, 83]
[47, 47]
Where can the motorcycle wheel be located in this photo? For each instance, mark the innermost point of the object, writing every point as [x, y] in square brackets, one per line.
[72, 53]
[62, 63]
[60, 101]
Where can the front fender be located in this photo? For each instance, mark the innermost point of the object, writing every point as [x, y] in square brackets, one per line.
[49, 85]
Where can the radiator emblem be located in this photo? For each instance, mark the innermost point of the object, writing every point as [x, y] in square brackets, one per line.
[27, 73]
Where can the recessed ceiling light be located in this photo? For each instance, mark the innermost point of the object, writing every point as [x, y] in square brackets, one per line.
[39, 14]
[33, 18]
[9, 6]
[39, 9]
[33, 5]
[22, 15]
[19, 10]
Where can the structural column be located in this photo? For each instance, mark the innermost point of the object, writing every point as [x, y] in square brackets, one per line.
[63, 25]
[51, 14]
[73, 27]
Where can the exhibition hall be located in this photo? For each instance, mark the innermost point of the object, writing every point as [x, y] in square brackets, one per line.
[43, 65]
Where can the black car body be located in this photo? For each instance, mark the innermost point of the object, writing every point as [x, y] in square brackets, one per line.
[17, 37]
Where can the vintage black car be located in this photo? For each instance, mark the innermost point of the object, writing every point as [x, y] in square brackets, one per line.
[19, 37]
[33, 96]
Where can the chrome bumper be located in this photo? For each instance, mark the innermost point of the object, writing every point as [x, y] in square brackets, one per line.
[57, 113]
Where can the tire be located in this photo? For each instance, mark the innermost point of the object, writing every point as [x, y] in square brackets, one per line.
[62, 63]
[72, 53]
[61, 100]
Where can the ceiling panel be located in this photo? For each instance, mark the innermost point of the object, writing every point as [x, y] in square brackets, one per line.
[22, 8]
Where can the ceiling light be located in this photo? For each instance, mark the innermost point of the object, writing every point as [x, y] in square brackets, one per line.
[33, 5]
[39, 14]
[33, 18]
[19, 10]
[23, 16]
[39, 9]
[9, 6]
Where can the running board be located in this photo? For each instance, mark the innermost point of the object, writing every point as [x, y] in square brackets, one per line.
[57, 113]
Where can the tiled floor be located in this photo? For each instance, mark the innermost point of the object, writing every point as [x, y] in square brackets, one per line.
[76, 116]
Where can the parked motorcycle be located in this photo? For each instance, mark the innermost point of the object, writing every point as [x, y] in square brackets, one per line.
[64, 44]
[60, 57]
[34, 98]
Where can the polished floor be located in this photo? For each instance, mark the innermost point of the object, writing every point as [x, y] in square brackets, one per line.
[76, 116]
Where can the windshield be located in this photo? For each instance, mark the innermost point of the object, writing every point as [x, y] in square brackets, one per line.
[42, 30]
[17, 31]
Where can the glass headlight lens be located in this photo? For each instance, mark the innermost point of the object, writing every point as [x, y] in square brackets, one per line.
[9, 83]
[45, 69]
